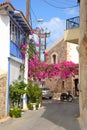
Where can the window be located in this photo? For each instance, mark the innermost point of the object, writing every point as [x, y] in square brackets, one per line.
[22, 38]
[13, 32]
[16, 35]
[54, 59]
[62, 84]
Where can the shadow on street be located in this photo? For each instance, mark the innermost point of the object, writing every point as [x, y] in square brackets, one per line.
[63, 114]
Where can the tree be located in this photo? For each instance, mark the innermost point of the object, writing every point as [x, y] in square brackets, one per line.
[41, 70]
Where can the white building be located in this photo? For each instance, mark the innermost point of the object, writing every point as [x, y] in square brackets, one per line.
[14, 29]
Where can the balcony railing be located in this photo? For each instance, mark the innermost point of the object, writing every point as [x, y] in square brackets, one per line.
[72, 23]
[15, 50]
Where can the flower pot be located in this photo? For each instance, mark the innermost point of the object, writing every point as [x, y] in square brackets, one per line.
[34, 106]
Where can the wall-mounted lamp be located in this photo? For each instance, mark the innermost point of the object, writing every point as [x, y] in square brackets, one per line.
[39, 20]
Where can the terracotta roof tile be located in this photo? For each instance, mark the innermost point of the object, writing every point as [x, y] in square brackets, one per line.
[8, 3]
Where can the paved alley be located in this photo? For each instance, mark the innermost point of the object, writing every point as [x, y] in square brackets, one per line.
[54, 115]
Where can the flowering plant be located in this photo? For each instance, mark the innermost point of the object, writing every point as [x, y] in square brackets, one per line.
[37, 44]
[41, 70]
[23, 48]
[45, 53]
[30, 49]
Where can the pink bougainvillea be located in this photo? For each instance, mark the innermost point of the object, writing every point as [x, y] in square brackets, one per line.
[32, 32]
[37, 44]
[31, 40]
[38, 28]
[41, 70]
[23, 48]
[45, 53]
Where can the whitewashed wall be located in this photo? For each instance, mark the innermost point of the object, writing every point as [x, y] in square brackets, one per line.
[73, 53]
[4, 41]
[4, 50]
[14, 70]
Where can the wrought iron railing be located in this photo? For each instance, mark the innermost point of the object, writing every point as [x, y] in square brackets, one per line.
[72, 23]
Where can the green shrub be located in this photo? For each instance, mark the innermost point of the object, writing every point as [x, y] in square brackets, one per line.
[37, 105]
[17, 89]
[33, 93]
[30, 106]
[15, 112]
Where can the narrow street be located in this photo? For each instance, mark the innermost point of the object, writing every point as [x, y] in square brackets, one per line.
[54, 115]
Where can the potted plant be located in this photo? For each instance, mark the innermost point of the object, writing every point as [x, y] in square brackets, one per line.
[17, 89]
[34, 95]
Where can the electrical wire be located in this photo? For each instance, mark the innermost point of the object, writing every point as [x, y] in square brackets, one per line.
[59, 7]
[63, 2]
[35, 17]
[34, 14]
[45, 1]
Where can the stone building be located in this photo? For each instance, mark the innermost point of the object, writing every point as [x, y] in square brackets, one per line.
[80, 37]
[58, 52]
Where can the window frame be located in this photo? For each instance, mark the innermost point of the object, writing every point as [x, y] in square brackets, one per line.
[17, 35]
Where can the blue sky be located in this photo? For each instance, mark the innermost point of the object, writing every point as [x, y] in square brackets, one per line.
[53, 12]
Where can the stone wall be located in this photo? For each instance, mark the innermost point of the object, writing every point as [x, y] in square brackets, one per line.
[59, 86]
[3, 81]
[61, 49]
[65, 52]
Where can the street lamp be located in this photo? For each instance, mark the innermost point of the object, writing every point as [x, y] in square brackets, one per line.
[40, 20]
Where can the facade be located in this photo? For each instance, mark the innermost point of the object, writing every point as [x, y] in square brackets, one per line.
[82, 50]
[14, 30]
[58, 52]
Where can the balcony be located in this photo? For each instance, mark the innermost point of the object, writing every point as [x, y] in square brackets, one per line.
[15, 50]
[71, 34]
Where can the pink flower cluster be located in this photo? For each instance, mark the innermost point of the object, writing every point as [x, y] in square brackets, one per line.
[23, 48]
[45, 53]
[41, 70]
[37, 44]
